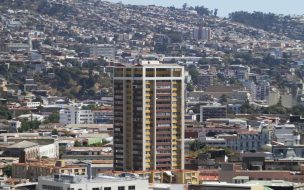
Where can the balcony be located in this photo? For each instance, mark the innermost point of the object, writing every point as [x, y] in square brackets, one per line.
[163, 122]
[163, 166]
[163, 159]
[163, 144]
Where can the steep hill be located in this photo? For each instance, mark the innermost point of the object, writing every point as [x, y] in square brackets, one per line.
[291, 26]
[100, 17]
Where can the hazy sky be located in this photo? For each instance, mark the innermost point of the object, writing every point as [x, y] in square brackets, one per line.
[227, 6]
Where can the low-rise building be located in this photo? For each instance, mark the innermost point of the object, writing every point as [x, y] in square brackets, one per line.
[225, 186]
[243, 183]
[107, 51]
[230, 170]
[24, 150]
[165, 176]
[48, 147]
[213, 141]
[287, 134]
[88, 153]
[36, 168]
[68, 182]
[212, 111]
[33, 104]
[14, 125]
[284, 151]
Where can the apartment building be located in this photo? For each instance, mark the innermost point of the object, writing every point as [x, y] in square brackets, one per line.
[74, 115]
[148, 117]
[201, 33]
[244, 140]
[240, 72]
[240, 95]
[212, 111]
[107, 51]
[262, 91]
[206, 80]
[247, 140]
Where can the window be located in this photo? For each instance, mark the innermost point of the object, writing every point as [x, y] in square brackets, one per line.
[121, 188]
[107, 188]
[49, 187]
[131, 187]
[96, 188]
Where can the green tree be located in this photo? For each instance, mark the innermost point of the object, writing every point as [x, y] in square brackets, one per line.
[53, 118]
[194, 73]
[175, 37]
[215, 12]
[248, 109]
[89, 107]
[233, 81]
[223, 99]
[7, 170]
[202, 11]
[77, 144]
[29, 125]
[196, 145]
[48, 41]
[298, 110]
[203, 61]
[277, 109]
[185, 5]
[161, 47]
[190, 87]
[5, 113]
[55, 132]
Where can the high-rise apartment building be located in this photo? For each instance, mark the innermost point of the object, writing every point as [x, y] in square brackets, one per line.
[201, 33]
[148, 117]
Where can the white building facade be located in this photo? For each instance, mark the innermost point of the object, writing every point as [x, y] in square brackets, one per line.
[69, 182]
[287, 134]
[74, 115]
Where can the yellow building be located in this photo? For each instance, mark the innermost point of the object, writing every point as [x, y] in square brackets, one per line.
[187, 176]
[3, 86]
[148, 117]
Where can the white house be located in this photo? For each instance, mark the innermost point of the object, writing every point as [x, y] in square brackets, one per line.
[33, 104]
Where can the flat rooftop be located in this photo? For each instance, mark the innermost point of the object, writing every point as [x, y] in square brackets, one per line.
[83, 179]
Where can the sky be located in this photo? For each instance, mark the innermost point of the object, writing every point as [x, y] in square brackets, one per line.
[227, 6]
